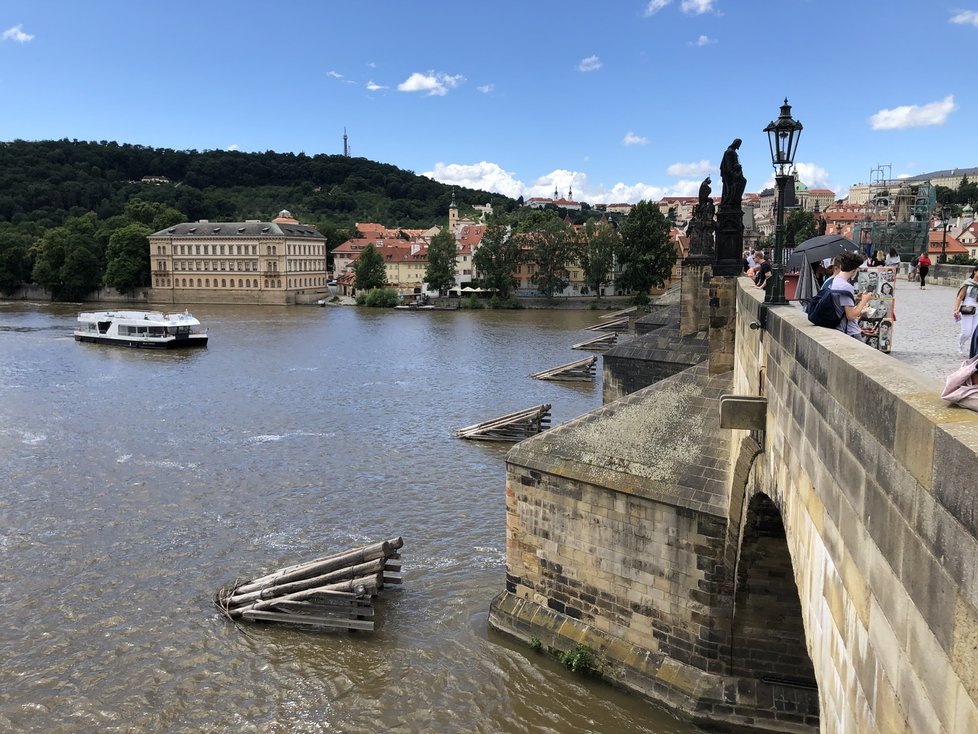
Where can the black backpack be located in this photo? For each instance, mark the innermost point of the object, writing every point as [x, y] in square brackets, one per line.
[822, 311]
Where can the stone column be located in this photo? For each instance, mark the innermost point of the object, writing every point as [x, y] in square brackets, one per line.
[694, 295]
[723, 323]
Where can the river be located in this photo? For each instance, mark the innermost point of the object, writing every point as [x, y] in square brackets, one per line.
[133, 484]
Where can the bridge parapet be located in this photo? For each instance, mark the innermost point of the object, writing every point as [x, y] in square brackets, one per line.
[876, 479]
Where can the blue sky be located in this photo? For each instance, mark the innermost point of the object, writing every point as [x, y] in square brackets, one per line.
[620, 101]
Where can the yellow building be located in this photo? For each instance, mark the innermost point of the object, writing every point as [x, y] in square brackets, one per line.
[280, 262]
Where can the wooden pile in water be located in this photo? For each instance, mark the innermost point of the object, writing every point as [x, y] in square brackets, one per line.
[599, 343]
[511, 427]
[619, 324]
[581, 370]
[332, 591]
[619, 314]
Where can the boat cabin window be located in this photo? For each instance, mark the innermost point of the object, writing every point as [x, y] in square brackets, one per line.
[103, 326]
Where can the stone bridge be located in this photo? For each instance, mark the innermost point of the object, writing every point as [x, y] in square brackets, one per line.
[813, 565]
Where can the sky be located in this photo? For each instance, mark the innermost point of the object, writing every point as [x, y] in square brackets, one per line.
[612, 102]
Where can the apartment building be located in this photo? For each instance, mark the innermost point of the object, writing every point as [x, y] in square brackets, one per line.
[279, 262]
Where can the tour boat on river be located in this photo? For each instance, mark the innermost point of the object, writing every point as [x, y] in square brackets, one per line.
[141, 329]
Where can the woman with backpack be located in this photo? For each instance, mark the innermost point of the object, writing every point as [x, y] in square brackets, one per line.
[923, 267]
[965, 308]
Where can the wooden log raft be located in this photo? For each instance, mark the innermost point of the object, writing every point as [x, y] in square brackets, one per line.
[511, 427]
[332, 591]
[619, 324]
[619, 314]
[581, 370]
[599, 343]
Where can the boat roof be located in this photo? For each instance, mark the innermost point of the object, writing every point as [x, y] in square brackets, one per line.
[179, 318]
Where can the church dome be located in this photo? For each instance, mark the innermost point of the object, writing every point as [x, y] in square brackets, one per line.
[285, 217]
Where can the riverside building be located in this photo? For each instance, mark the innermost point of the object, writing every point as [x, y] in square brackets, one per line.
[281, 262]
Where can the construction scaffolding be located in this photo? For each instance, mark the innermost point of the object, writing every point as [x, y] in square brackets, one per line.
[896, 215]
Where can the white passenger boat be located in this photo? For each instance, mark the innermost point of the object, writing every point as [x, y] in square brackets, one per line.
[141, 329]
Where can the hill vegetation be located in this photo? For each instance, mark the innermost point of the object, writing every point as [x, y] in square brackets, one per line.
[63, 201]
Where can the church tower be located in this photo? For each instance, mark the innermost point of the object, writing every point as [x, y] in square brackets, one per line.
[452, 213]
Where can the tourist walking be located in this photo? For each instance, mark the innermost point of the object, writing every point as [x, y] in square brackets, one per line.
[893, 258]
[923, 267]
[965, 308]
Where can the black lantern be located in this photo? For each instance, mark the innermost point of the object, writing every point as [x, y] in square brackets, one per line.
[782, 135]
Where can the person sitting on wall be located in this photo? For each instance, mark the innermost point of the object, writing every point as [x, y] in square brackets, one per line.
[762, 271]
[847, 308]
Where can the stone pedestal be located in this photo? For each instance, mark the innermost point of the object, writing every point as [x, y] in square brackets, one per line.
[694, 299]
[723, 324]
[729, 241]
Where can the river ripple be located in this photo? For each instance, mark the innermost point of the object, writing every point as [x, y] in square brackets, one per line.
[133, 484]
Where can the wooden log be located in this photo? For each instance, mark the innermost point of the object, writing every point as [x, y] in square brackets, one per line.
[598, 344]
[581, 369]
[612, 325]
[316, 621]
[618, 314]
[270, 592]
[511, 427]
[369, 583]
[305, 607]
[318, 567]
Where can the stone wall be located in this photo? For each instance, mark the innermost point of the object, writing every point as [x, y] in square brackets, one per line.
[875, 481]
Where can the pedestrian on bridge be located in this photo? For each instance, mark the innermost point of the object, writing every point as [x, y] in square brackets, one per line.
[966, 309]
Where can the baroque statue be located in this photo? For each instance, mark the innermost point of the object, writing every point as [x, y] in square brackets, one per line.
[732, 174]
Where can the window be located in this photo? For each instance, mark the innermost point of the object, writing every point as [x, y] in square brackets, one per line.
[224, 283]
[198, 283]
[207, 283]
[240, 283]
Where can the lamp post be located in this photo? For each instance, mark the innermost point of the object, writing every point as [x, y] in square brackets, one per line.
[945, 210]
[782, 136]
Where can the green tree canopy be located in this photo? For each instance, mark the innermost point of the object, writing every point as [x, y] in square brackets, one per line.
[369, 269]
[127, 256]
[552, 246]
[597, 254]
[646, 254]
[801, 226]
[15, 257]
[67, 260]
[497, 258]
[440, 273]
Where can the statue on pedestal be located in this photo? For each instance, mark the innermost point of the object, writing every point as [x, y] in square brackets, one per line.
[733, 176]
[701, 226]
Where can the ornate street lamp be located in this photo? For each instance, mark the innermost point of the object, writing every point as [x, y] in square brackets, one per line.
[782, 136]
[945, 210]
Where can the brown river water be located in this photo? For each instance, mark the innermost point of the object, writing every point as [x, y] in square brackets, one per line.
[133, 484]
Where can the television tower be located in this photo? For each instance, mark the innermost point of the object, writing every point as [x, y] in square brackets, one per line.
[346, 144]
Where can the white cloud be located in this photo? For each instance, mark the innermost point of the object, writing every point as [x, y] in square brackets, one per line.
[484, 175]
[436, 85]
[702, 41]
[633, 139]
[374, 86]
[488, 176]
[233, 146]
[696, 7]
[702, 168]
[334, 74]
[899, 118]
[655, 6]
[810, 174]
[966, 17]
[486, 88]
[16, 34]
[591, 63]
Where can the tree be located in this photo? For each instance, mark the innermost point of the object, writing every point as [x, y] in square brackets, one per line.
[440, 273]
[645, 253]
[155, 215]
[597, 254]
[552, 248]
[67, 259]
[801, 226]
[496, 259]
[15, 258]
[128, 262]
[369, 269]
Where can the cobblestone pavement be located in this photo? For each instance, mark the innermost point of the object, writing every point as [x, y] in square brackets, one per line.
[925, 333]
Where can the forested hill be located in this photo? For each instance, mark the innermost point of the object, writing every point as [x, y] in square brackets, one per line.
[43, 183]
